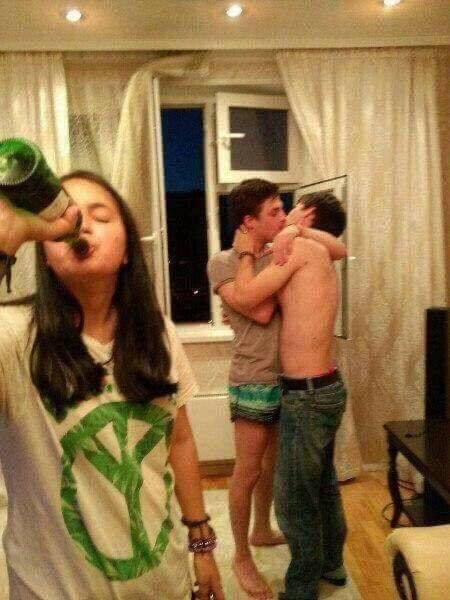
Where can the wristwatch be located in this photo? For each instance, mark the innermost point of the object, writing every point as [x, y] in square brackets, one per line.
[245, 253]
[6, 263]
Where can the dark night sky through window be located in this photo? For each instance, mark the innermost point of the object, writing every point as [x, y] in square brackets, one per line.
[183, 155]
[182, 131]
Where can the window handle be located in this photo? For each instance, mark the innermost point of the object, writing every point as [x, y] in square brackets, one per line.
[233, 135]
[224, 139]
[148, 238]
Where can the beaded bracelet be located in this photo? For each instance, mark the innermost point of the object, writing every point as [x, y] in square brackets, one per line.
[203, 544]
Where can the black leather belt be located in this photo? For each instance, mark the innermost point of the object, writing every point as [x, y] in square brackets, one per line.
[309, 383]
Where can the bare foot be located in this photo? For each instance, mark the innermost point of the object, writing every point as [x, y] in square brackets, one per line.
[250, 580]
[267, 538]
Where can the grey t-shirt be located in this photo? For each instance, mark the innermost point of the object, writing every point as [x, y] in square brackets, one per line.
[255, 356]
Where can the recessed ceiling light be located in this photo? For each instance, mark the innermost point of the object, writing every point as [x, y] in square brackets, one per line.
[234, 10]
[391, 2]
[73, 15]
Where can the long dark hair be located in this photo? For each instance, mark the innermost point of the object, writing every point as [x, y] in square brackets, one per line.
[61, 367]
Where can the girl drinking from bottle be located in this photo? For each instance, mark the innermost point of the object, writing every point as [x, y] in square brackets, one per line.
[95, 439]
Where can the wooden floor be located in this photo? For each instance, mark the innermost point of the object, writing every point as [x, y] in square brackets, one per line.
[364, 500]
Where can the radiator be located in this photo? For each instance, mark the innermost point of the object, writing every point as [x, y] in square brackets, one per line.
[210, 421]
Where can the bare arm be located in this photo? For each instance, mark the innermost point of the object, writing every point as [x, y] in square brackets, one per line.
[184, 461]
[335, 246]
[262, 313]
[282, 244]
[300, 222]
[188, 489]
[251, 289]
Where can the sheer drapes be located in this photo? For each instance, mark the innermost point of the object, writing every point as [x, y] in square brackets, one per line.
[138, 168]
[443, 94]
[134, 155]
[135, 171]
[372, 115]
[33, 104]
[96, 90]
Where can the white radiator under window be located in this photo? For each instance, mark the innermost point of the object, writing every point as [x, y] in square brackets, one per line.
[212, 428]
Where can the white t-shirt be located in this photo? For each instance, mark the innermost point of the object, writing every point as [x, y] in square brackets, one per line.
[91, 513]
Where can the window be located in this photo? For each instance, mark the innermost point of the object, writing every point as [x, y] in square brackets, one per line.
[196, 213]
[256, 137]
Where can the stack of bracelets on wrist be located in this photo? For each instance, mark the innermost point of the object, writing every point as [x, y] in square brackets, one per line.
[202, 543]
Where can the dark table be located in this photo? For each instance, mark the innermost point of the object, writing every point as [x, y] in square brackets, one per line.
[426, 444]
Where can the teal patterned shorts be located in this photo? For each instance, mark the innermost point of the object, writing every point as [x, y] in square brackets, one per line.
[255, 402]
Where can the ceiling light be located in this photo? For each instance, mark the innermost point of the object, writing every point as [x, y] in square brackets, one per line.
[73, 15]
[234, 10]
[391, 2]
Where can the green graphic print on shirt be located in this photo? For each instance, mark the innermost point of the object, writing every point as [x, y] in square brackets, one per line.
[126, 476]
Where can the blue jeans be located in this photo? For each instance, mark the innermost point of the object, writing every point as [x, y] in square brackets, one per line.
[307, 499]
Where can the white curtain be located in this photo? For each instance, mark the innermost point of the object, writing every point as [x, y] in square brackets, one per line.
[137, 172]
[96, 90]
[33, 104]
[134, 161]
[372, 115]
[137, 166]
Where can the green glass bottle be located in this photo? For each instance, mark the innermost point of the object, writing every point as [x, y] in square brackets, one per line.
[28, 183]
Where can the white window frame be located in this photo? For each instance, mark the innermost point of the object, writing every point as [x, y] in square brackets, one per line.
[215, 330]
[224, 101]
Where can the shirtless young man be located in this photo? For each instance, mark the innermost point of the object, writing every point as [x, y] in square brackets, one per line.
[307, 498]
[254, 391]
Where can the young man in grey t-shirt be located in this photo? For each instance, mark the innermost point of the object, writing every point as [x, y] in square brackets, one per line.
[254, 392]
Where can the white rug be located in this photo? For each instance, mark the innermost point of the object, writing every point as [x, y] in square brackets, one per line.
[272, 562]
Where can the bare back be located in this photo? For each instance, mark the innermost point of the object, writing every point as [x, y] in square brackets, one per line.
[309, 303]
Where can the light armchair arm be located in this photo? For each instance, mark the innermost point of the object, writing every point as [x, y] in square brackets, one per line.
[421, 561]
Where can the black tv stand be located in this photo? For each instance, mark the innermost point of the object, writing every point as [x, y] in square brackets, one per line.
[426, 444]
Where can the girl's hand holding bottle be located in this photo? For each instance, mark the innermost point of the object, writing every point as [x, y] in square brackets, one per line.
[33, 204]
[18, 226]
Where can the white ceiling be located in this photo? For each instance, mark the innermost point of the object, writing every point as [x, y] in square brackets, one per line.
[38, 25]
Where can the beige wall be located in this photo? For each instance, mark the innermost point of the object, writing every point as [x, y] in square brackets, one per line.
[444, 126]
